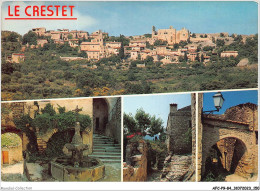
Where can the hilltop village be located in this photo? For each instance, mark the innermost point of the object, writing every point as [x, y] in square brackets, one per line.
[70, 63]
[163, 45]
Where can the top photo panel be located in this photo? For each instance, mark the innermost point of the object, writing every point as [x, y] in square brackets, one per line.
[83, 49]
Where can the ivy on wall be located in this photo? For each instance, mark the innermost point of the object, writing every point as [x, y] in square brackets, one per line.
[47, 119]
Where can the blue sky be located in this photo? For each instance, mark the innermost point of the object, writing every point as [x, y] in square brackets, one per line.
[134, 18]
[158, 105]
[232, 98]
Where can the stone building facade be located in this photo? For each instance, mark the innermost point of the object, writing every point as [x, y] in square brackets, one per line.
[171, 35]
[11, 155]
[229, 141]
[178, 127]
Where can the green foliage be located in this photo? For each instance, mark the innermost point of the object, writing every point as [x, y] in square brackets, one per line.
[70, 36]
[49, 119]
[220, 43]
[157, 151]
[85, 121]
[61, 109]
[6, 78]
[183, 43]
[130, 123]
[65, 120]
[148, 35]
[160, 43]
[121, 38]
[30, 38]
[23, 122]
[43, 122]
[10, 140]
[208, 48]
[48, 109]
[8, 36]
[44, 75]
[138, 88]
[57, 142]
[142, 122]
[7, 68]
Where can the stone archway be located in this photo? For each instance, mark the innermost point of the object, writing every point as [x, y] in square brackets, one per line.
[24, 138]
[225, 157]
[100, 115]
[11, 148]
[237, 135]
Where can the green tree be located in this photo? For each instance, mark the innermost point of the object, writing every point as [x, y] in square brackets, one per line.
[121, 51]
[30, 38]
[202, 58]
[70, 36]
[220, 43]
[185, 57]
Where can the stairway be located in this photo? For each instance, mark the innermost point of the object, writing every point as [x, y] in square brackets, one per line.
[105, 149]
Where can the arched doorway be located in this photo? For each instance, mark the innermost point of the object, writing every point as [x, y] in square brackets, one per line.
[100, 115]
[11, 145]
[12, 167]
[224, 158]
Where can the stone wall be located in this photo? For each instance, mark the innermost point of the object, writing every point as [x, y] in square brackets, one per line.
[246, 165]
[135, 167]
[179, 122]
[113, 127]
[14, 154]
[200, 137]
[193, 124]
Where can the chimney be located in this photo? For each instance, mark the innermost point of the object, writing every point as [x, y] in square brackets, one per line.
[173, 108]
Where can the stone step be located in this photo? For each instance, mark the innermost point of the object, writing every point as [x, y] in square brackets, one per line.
[100, 136]
[107, 149]
[107, 153]
[106, 156]
[103, 142]
[111, 160]
[105, 145]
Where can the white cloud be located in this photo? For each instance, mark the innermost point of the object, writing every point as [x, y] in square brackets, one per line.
[23, 26]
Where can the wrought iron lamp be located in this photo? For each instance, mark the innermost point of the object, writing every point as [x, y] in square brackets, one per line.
[218, 102]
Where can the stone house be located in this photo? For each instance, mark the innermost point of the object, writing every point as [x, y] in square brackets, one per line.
[171, 35]
[228, 142]
[133, 43]
[192, 56]
[41, 42]
[11, 155]
[134, 54]
[112, 48]
[178, 126]
[15, 58]
[39, 31]
[228, 54]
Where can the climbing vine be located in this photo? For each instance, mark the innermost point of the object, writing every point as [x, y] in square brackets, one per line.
[47, 119]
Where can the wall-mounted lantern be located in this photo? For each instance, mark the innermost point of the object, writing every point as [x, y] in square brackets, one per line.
[218, 102]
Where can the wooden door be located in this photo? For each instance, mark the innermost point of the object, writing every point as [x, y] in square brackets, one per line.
[5, 155]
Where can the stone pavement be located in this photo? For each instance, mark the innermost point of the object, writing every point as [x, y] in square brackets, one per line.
[13, 173]
[112, 172]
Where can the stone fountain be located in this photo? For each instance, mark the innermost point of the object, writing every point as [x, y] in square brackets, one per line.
[76, 166]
